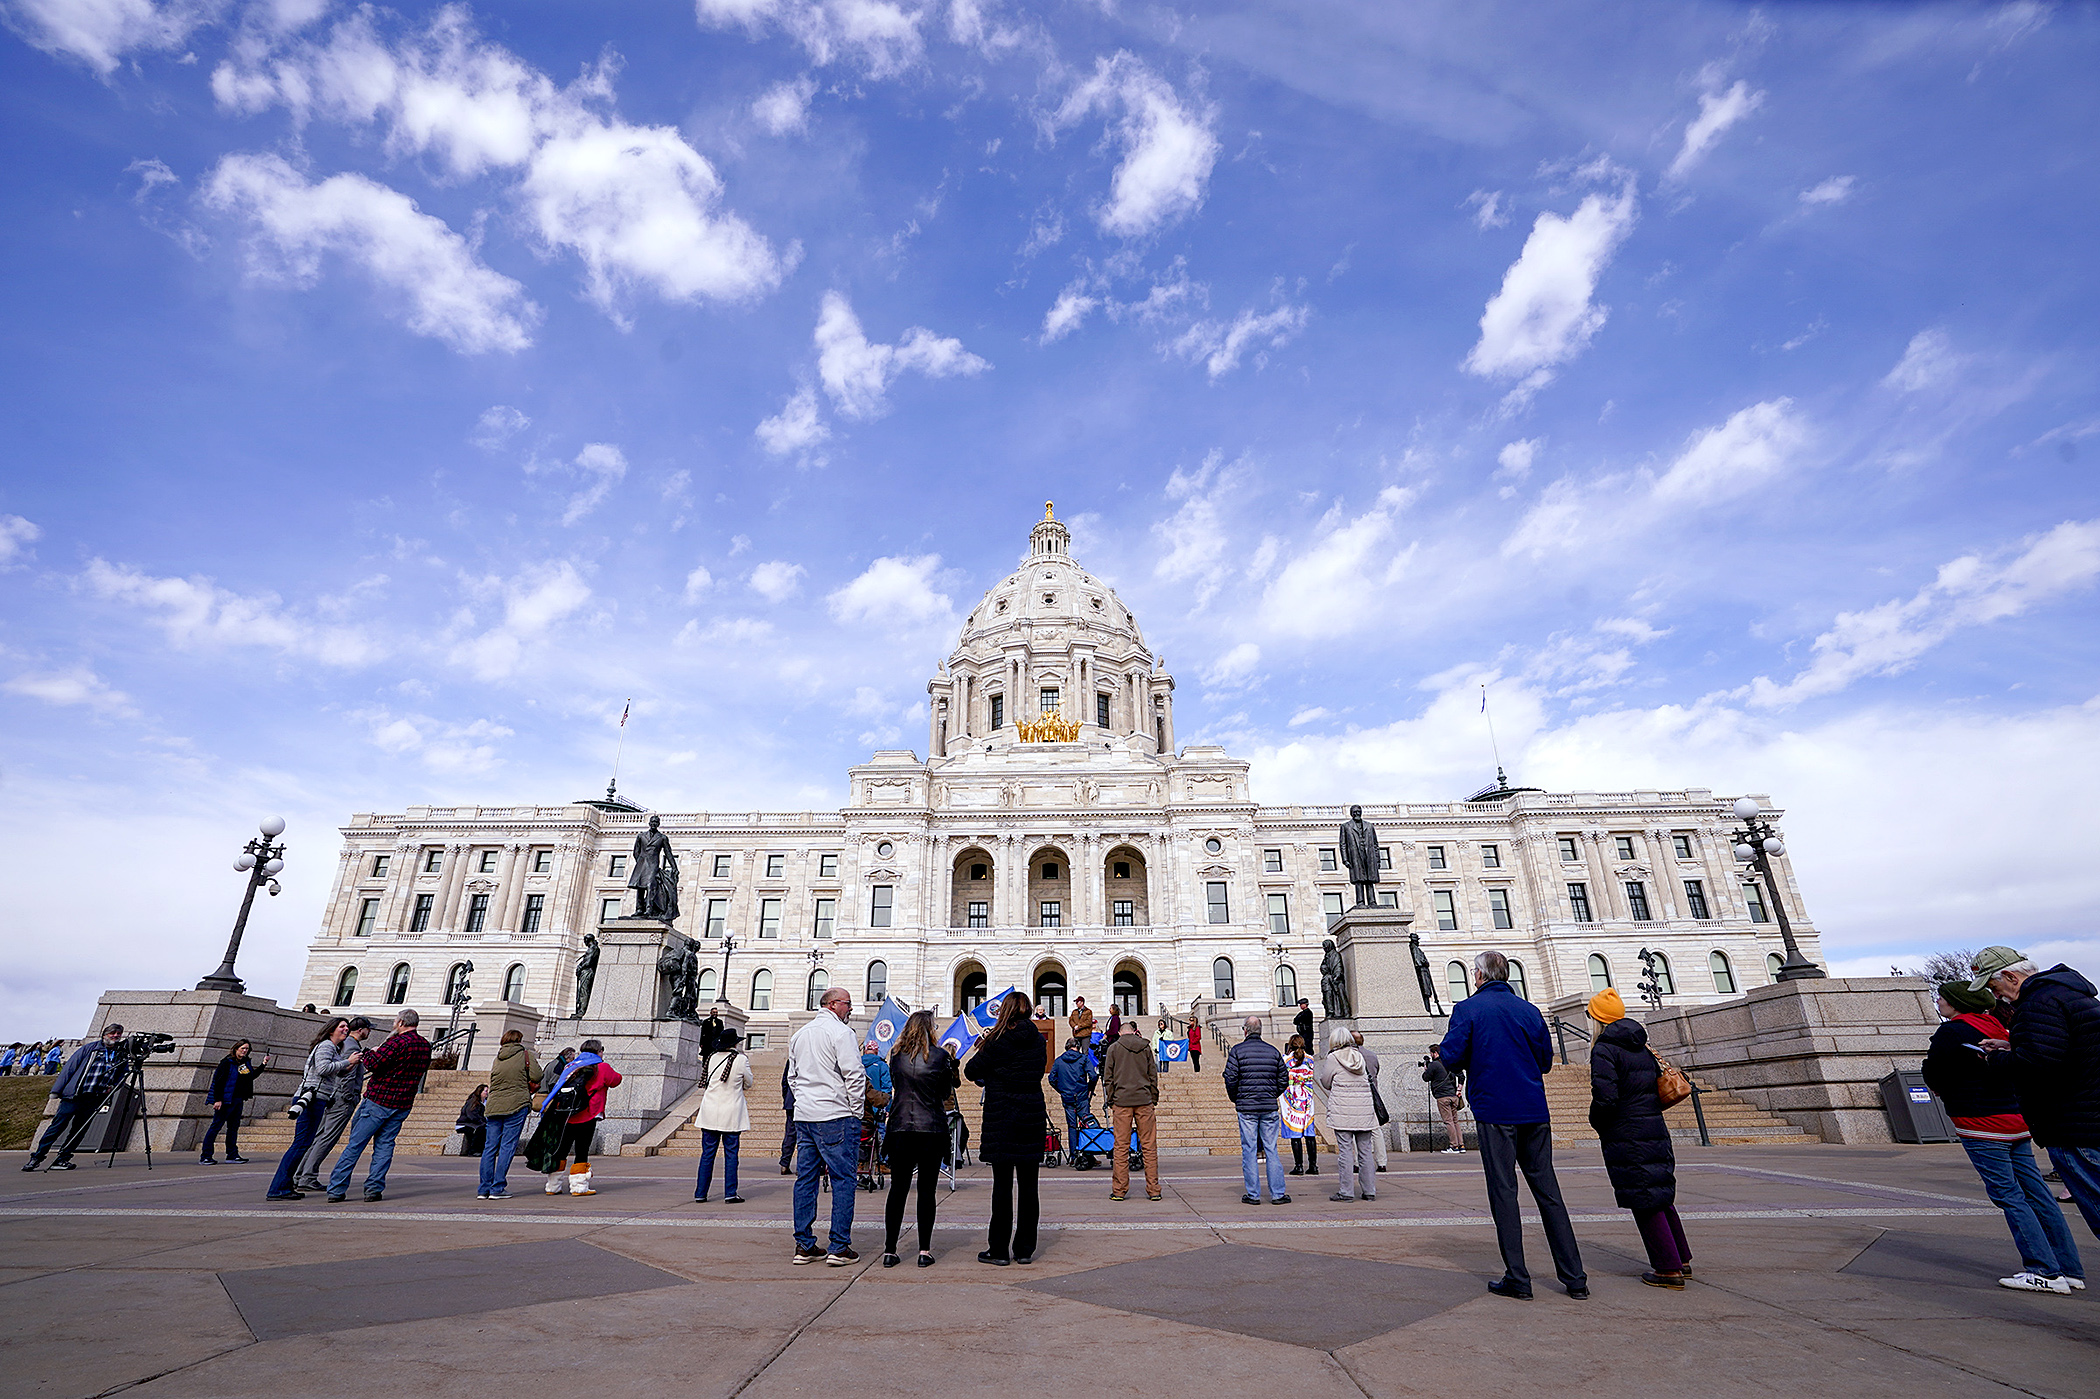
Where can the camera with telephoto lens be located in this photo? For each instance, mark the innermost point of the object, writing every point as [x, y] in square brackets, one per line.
[135, 1047]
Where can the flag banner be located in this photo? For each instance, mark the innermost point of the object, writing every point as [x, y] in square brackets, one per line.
[1174, 1051]
[988, 1013]
[960, 1035]
[623, 713]
[888, 1025]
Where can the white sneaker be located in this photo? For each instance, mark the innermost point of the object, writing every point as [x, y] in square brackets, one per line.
[2077, 1284]
[2035, 1282]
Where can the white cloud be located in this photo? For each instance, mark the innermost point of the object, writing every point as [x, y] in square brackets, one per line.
[857, 374]
[1515, 458]
[534, 602]
[729, 631]
[776, 580]
[1168, 146]
[968, 25]
[796, 427]
[1740, 455]
[454, 749]
[1488, 209]
[603, 466]
[882, 37]
[197, 614]
[1969, 591]
[1308, 715]
[894, 594]
[1543, 316]
[1235, 667]
[101, 32]
[698, 582]
[1718, 111]
[1835, 190]
[1353, 559]
[1928, 362]
[1193, 540]
[76, 685]
[784, 107]
[444, 290]
[496, 426]
[1220, 346]
[16, 535]
[1067, 313]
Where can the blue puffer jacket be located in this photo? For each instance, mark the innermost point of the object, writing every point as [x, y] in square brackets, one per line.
[2056, 1057]
[1500, 1040]
[1255, 1075]
[1070, 1077]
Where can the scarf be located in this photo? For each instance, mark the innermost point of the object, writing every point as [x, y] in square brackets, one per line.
[581, 1061]
[1984, 1022]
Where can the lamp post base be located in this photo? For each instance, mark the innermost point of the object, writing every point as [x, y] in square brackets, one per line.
[224, 980]
[1798, 968]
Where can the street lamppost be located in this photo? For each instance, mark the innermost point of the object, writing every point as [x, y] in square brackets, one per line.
[816, 964]
[728, 946]
[1755, 844]
[261, 860]
[1651, 982]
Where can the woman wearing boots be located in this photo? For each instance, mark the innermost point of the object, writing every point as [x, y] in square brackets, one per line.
[1297, 1101]
[563, 1135]
[923, 1076]
[1638, 1156]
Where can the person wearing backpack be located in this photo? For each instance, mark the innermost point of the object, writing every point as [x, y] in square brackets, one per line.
[569, 1119]
[1627, 1116]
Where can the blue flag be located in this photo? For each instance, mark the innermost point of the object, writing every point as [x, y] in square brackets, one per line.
[1174, 1051]
[987, 1014]
[888, 1025]
[960, 1035]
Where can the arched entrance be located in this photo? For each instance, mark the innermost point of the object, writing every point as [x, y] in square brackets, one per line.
[971, 986]
[1128, 988]
[1049, 889]
[1050, 989]
[1124, 884]
[970, 901]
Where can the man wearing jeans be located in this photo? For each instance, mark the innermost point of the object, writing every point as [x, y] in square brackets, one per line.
[393, 1070]
[831, 1093]
[2054, 1047]
[93, 1073]
[1255, 1077]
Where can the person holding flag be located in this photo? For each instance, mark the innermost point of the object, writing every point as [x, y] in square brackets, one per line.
[1009, 1066]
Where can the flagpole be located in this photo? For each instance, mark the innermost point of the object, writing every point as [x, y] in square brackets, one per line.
[620, 751]
[1493, 744]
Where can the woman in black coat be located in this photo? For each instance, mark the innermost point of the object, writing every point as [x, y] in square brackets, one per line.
[922, 1076]
[232, 1085]
[1628, 1117]
[1009, 1063]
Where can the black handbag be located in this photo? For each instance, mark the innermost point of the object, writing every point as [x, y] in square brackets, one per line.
[1378, 1104]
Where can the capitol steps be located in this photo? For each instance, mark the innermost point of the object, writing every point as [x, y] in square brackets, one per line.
[428, 1127]
[1729, 1120]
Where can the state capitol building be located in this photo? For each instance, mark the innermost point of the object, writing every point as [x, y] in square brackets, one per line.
[1054, 839]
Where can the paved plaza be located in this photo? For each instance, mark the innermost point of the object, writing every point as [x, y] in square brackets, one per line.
[1819, 1269]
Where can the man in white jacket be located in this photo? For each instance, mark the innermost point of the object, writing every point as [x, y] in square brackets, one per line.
[831, 1093]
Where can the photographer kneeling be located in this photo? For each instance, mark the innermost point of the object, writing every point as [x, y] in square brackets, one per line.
[91, 1075]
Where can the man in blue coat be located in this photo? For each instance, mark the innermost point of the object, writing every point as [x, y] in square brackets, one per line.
[1500, 1040]
[92, 1074]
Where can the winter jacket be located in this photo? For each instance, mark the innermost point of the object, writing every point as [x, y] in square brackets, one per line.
[1302, 1026]
[726, 1078]
[511, 1079]
[603, 1078]
[919, 1089]
[1010, 1067]
[1347, 1075]
[1442, 1082]
[2056, 1058]
[68, 1085]
[233, 1081]
[878, 1073]
[1082, 1023]
[1628, 1118]
[824, 1071]
[1500, 1040]
[1255, 1075]
[1129, 1074]
[1969, 1084]
[1070, 1076]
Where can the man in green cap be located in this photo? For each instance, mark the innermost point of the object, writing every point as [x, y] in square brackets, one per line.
[2054, 1050]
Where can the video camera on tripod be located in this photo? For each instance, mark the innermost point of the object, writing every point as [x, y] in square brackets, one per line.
[135, 1047]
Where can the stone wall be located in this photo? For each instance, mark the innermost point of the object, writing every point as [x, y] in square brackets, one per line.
[1812, 1052]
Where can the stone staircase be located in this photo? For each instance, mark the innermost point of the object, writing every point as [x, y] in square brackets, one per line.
[1729, 1120]
[425, 1133]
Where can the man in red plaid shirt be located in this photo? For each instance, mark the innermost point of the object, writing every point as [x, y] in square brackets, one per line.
[392, 1072]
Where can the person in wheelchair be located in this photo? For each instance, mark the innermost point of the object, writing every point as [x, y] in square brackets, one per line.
[1073, 1078]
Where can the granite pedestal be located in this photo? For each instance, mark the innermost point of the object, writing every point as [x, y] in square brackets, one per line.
[1395, 1021]
[658, 1059]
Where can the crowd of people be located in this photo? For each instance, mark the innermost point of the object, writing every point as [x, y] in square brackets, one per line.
[43, 1057]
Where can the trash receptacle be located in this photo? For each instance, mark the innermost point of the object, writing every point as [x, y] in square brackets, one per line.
[1915, 1115]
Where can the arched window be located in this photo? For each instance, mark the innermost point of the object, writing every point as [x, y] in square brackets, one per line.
[455, 982]
[761, 989]
[1663, 982]
[1221, 978]
[1516, 979]
[397, 984]
[1772, 966]
[1724, 975]
[1600, 973]
[1286, 984]
[345, 987]
[704, 988]
[975, 987]
[514, 982]
[819, 983]
[1455, 977]
[878, 982]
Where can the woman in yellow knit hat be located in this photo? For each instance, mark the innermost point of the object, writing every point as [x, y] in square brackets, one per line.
[1628, 1117]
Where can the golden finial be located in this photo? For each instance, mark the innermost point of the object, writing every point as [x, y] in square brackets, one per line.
[1046, 511]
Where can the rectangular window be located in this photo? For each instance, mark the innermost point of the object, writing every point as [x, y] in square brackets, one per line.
[1684, 846]
[477, 912]
[535, 909]
[617, 866]
[827, 867]
[1053, 913]
[1569, 855]
[488, 862]
[827, 917]
[608, 910]
[879, 905]
[1122, 869]
[1491, 857]
[1389, 898]
[367, 915]
[1272, 862]
[769, 918]
[1436, 858]
[421, 919]
[717, 917]
[1046, 702]
[1446, 909]
[433, 861]
[1280, 915]
[998, 711]
[1695, 898]
[1214, 895]
[1100, 711]
[1385, 857]
[1498, 905]
[1579, 902]
[542, 861]
[776, 866]
[980, 914]
[379, 864]
[1756, 899]
[1637, 900]
[722, 863]
[1327, 862]
[1331, 908]
[1125, 912]
[1624, 845]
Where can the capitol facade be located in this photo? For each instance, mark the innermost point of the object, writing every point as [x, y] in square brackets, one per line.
[1054, 839]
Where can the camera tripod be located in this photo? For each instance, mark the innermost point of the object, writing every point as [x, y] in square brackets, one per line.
[133, 1078]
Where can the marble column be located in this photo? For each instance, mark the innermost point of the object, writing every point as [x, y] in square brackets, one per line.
[512, 888]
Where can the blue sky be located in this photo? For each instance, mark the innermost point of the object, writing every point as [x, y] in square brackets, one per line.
[394, 392]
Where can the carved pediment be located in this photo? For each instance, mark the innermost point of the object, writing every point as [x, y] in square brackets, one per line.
[1636, 871]
[883, 876]
[1216, 871]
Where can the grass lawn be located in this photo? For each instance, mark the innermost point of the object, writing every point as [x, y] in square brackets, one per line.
[21, 1105]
